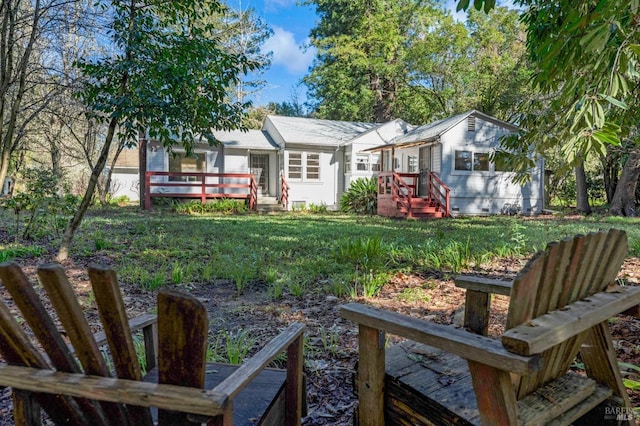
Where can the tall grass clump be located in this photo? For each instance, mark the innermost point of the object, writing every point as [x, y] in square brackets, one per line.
[231, 347]
[368, 258]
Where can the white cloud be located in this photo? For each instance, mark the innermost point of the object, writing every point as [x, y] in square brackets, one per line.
[287, 52]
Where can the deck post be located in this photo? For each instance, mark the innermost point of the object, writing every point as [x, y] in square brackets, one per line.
[371, 376]
[147, 191]
[203, 189]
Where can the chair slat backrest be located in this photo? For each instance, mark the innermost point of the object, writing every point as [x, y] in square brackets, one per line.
[565, 272]
[183, 327]
[84, 355]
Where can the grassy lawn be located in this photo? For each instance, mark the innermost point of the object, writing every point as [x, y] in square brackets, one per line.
[297, 253]
[290, 265]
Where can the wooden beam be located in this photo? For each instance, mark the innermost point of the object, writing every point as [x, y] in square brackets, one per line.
[546, 331]
[175, 398]
[485, 285]
[462, 343]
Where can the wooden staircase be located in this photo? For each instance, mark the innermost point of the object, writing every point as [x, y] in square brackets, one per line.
[421, 208]
[397, 196]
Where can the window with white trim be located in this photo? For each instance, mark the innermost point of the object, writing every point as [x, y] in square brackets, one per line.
[468, 160]
[347, 163]
[304, 166]
[412, 163]
[180, 163]
[362, 163]
[376, 164]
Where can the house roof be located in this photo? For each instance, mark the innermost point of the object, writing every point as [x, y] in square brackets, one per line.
[318, 132]
[251, 139]
[431, 132]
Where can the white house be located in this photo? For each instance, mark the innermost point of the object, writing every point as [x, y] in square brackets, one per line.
[318, 159]
[457, 150]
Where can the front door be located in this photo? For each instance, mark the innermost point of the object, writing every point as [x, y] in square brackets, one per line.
[424, 163]
[259, 165]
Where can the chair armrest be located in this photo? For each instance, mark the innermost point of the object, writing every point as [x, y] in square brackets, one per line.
[132, 392]
[240, 378]
[485, 285]
[467, 345]
[137, 323]
[548, 330]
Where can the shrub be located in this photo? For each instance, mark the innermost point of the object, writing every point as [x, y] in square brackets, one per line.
[225, 205]
[361, 197]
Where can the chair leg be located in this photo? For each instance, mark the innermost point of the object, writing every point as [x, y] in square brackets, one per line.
[600, 362]
[26, 410]
[371, 376]
[496, 398]
[294, 385]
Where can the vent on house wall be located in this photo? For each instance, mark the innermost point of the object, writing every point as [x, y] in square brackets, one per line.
[471, 124]
[456, 209]
[485, 210]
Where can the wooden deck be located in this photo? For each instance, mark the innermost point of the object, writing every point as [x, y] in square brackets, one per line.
[415, 371]
[201, 186]
[253, 405]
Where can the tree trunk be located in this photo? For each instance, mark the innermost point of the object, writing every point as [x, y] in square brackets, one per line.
[74, 223]
[142, 167]
[103, 194]
[610, 172]
[624, 199]
[582, 195]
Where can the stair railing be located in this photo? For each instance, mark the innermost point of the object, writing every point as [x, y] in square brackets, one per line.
[439, 193]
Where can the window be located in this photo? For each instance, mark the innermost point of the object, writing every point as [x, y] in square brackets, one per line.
[362, 163]
[501, 162]
[179, 163]
[376, 165]
[463, 160]
[304, 165]
[313, 166]
[476, 161]
[481, 161]
[347, 163]
[295, 165]
[412, 161]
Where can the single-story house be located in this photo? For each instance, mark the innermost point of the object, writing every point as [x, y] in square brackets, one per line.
[318, 159]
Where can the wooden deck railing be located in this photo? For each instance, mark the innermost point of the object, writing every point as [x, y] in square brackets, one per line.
[284, 192]
[403, 187]
[201, 186]
[439, 193]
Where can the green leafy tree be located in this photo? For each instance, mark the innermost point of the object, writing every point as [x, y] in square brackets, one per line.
[361, 54]
[586, 57]
[167, 75]
[379, 60]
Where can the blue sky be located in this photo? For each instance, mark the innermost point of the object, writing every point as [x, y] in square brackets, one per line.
[291, 24]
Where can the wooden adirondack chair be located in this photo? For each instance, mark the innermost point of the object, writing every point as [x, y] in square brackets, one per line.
[560, 304]
[86, 394]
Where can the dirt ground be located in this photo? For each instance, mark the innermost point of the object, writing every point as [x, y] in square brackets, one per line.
[331, 348]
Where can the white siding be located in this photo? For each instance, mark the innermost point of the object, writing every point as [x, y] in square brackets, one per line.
[484, 192]
[323, 191]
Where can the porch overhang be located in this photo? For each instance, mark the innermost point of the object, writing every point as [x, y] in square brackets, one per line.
[403, 145]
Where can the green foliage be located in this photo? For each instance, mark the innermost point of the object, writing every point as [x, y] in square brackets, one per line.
[8, 253]
[231, 347]
[43, 205]
[378, 60]
[361, 197]
[225, 206]
[368, 257]
[170, 76]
